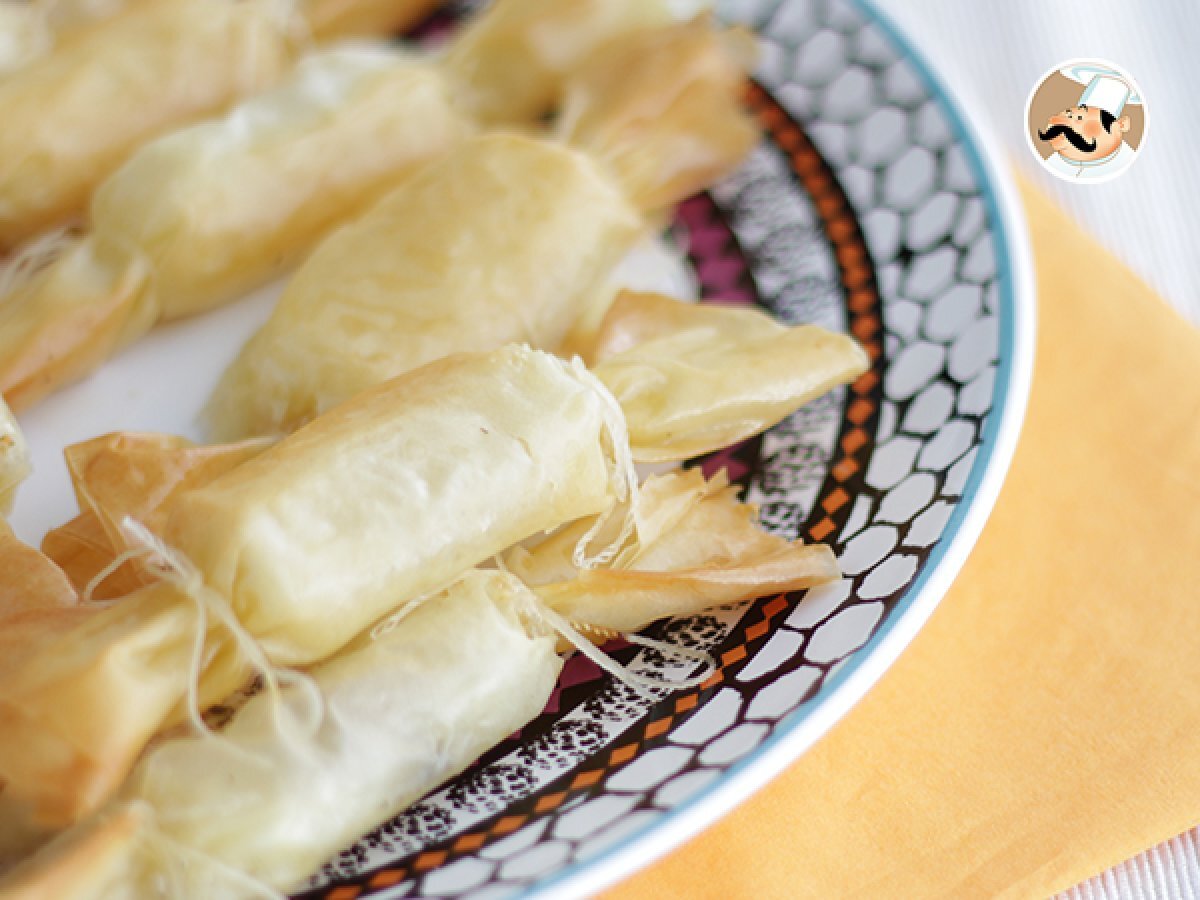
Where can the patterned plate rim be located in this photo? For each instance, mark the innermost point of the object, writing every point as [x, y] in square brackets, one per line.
[846, 687]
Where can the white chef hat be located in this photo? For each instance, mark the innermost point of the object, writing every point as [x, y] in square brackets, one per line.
[1106, 88]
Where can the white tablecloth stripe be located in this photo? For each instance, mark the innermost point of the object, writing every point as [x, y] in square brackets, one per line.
[1170, 871]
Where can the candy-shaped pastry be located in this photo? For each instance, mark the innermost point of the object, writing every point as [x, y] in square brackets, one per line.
[396, 492]
[401, 713]
[68, 304]
[505, 238]
[200, 216]
[221, 208]
[84, 688]
[404, 707]
[379, 502]
[74, 115]
[387, 498]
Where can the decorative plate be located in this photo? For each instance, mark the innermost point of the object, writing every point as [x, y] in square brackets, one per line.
[871, 207]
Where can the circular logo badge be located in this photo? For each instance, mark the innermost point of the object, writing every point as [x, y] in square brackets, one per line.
[1086, 121]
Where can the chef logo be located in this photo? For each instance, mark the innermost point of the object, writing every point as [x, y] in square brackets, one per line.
[1086, 121]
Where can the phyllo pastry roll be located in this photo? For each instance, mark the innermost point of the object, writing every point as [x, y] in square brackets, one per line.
[505, 238]
[403, 707]
[220, 208]
[200, 216]
[30, 29]
[197, 217]
[267, 800]
[501, 240]
[283, 559]
[307, 563]
[396, 492]
[72, 116]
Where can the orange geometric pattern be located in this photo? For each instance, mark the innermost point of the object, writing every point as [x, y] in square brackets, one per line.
[863, 307]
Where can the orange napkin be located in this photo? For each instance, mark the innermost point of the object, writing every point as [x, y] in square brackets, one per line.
[1045, 725]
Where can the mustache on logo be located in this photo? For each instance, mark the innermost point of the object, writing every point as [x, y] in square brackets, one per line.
[1077, 140]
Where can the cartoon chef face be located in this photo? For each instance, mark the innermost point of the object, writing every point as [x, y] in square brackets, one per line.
[1085, 133]
[1089, 141]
